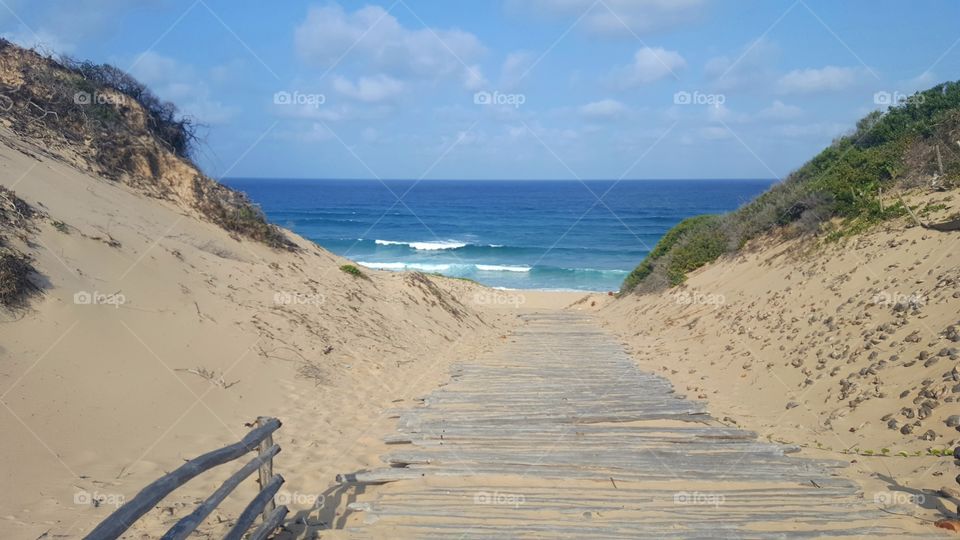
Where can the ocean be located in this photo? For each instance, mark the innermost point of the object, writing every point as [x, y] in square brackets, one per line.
[549, 235]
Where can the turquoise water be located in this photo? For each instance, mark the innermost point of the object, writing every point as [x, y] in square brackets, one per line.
[553, 235]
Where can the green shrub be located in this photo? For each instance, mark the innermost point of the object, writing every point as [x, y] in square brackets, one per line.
[843, 181]
[689, 245]
[352, 270]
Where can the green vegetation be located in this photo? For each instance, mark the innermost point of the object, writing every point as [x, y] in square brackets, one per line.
[438, 274]
[179, 133]
[846, 181]
[352, 270]
[124, 131]
[691, 244]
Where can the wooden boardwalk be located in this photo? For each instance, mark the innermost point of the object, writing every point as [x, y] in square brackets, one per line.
[558, 434]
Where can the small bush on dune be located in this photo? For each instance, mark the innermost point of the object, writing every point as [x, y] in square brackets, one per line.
[685, 244]
[179, 133]
[352, 270]
[15, 284]
[234, 212]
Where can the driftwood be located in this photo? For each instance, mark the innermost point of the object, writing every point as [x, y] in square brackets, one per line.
[249, 513]
[187, 525]
[266, 467]
[121, 519]
[946, 226]
[270, 524]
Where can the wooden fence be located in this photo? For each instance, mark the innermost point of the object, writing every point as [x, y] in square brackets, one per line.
[260, 439]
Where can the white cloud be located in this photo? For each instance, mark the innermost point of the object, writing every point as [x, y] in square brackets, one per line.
[330, 34]
[715, 133]
[923, 81]
[370, 89]
[515, 68]
[722, 113]
[58, 27]
[605, 109]
[473, 79]
[780, 111]
[313, 133]
[182, 85]
[649, 65]
[752, 66]
[829, 78]
[40, 40]
[618, 17]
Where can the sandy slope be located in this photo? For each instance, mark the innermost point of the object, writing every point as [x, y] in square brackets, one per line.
[835, 348]
[195, 333]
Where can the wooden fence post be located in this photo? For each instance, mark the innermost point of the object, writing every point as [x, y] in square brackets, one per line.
[266, 469]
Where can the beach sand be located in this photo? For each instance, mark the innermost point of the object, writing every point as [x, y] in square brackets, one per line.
[831, 347]
[157, 336]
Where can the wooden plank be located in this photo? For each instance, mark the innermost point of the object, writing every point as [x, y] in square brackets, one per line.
[266, 467]
[274, 520]
[249, 514]
[187, 525]
[560, 421]
[122, 518]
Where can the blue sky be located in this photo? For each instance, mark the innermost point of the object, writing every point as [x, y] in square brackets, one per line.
[499, 89]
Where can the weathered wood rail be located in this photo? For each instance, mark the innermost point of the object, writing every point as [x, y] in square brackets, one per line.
[558, 434]
[260, 440]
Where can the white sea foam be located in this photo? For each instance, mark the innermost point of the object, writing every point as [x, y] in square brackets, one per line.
[501, 268]
[424, 246]
[405, 266]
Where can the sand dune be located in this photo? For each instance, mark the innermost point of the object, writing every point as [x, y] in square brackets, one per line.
[156, 335]
[846, 349]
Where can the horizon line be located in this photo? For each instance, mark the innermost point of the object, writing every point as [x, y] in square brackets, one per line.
[351, 179]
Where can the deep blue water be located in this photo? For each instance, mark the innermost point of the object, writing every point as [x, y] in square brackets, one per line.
[524, 235]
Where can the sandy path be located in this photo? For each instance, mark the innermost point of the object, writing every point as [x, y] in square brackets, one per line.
[557, 433]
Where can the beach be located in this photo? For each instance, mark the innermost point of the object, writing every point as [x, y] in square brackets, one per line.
[551, 357]
[245, 315]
